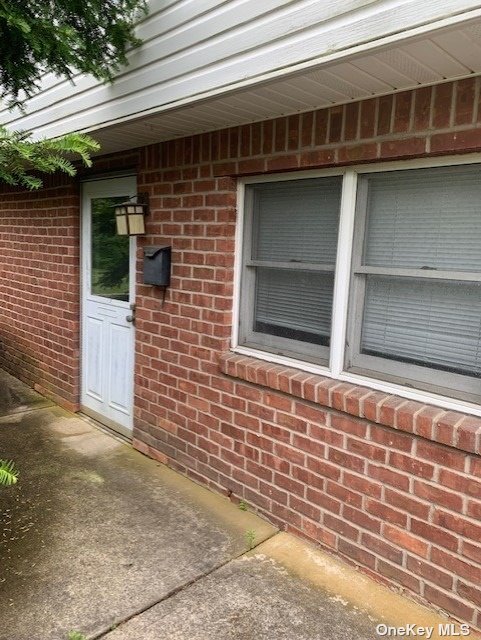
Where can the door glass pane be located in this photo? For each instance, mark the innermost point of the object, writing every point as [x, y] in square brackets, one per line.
[110, 252]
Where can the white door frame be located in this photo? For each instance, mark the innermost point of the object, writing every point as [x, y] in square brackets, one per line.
[109, 187]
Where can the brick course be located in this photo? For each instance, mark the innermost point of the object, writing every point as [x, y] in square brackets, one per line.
[391, 485]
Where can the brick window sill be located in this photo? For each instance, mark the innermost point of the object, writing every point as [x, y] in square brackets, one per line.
[450, 428]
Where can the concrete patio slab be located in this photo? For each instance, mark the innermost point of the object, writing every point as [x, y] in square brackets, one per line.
[285, 589]
[251, 598]
[95, 532]
[16, 397]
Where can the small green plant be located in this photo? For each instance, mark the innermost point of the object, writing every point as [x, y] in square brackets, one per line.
[250, 536]
[76, 635]
[8, 473]
[242, 505]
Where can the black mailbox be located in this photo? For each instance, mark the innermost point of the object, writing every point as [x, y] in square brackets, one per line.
[157, 265]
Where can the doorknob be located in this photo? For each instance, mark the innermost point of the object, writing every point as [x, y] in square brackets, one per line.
[131, 317]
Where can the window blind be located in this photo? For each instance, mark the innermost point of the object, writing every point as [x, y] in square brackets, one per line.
[430, 323]
[297, 221]
[425, 218]
[294, 304]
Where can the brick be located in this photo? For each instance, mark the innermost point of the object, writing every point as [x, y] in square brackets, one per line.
[422, 108]
[442, 105]
[429, 572]
[280, 135]
[471, 551]
[464, 106]
[402, 111]
[407, 148]
[307, 129]
[356, 553]
[307, 509]
[361, 519]
[458, 524]
[362, 485]
[320, 127]
[367, 118]
[468, 592]
[340, 526]
[335, 123]
[439, 536]
[358, 153]
[406, 415]
[322, 500]
[411, 465]
[391, 439]
[381, 548]
[463, 484]
[323, 468]
[385, 107]
[455, 565]
[425, 421]
[372, 404]
[283, 162]
[346, 496]
[346, 460]
[317, 158]
[399, 576]
[440, 454]
[468, 434]
[348, 425]
[448, 603]
[386, 513]
[351, 121]
[463, 141]
[389, 476]
[439, 496]
[406, 540]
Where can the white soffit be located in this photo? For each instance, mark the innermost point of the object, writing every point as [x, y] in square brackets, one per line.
[445, 55]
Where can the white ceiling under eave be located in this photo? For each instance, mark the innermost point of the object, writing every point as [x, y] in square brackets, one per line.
[446, 54]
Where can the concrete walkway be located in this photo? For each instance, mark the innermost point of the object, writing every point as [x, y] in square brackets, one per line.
[99, 539]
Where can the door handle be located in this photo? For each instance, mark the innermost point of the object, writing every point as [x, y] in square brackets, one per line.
[131, 317]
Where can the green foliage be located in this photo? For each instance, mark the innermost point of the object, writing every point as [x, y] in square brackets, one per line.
[242, 505]
[110, 252]
[19, 156]
[63, 37]
[8, 473]
[250, 537]
[76, 635]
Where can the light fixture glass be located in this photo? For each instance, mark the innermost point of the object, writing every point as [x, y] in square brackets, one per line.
[130, 216]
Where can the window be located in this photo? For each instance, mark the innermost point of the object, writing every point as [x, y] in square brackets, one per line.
[408, 290]
[290, 242]
[415, 309]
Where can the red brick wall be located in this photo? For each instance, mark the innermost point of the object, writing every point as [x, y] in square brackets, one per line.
[39, 288]
[388, 484]
[40, 282]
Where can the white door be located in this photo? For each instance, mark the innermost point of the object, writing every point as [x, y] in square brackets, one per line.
[108, 309]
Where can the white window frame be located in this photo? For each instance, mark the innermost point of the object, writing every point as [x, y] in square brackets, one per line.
[342, 283]
[289, 346]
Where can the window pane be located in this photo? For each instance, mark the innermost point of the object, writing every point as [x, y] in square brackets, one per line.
[297, 220]
[425, 218]
[110, 252]
[431, 323]
[294, 304]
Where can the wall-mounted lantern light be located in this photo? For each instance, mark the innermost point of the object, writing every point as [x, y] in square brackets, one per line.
[130, 215]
